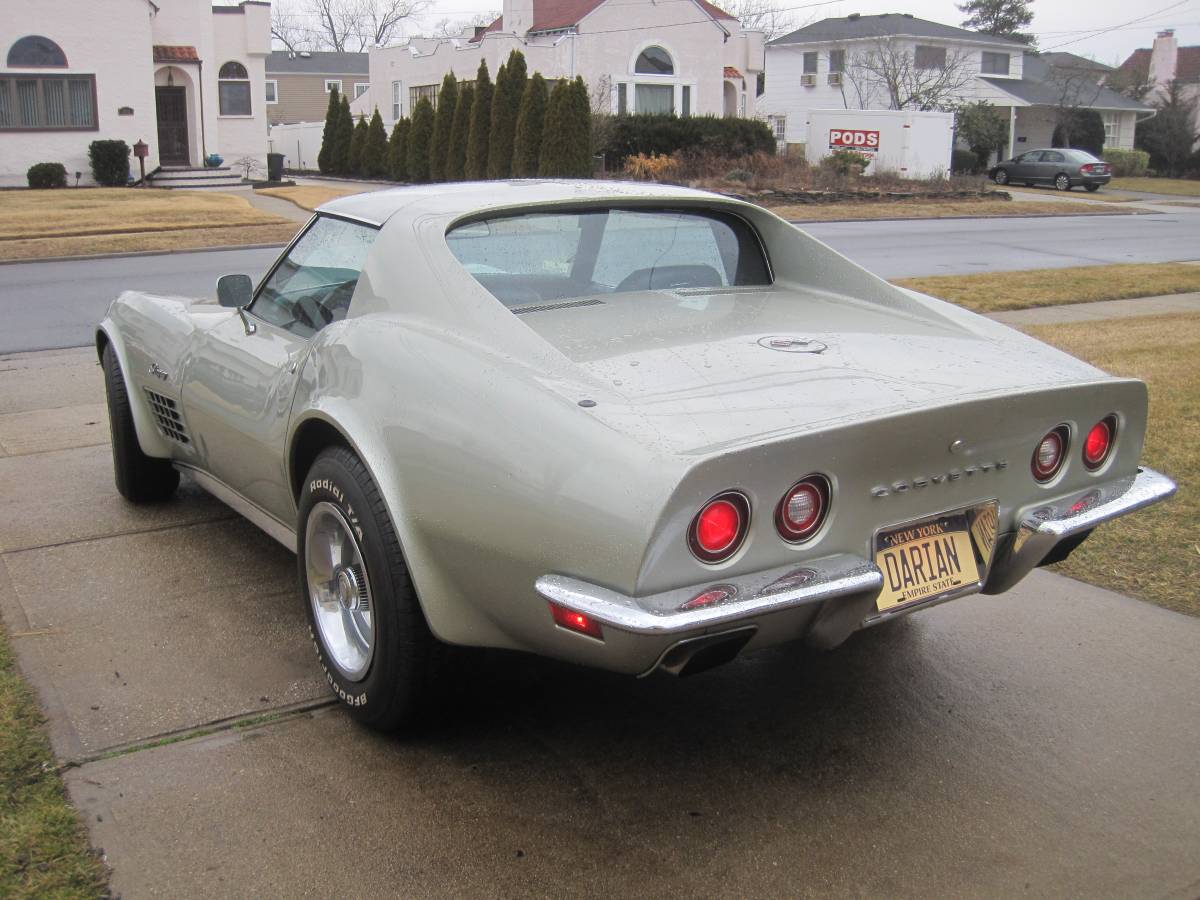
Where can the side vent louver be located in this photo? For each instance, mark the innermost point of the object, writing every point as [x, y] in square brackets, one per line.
[167, 417]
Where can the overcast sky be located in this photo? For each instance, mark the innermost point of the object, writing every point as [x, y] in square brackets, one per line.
[1056, 22]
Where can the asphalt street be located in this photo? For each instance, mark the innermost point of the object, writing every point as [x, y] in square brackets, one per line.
[57, 304]
[1040, 743]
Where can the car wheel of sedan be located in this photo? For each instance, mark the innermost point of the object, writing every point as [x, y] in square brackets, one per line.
[1062, 182]
[1001, 176]
[364, 618]
[1092, 188]
[140, 478]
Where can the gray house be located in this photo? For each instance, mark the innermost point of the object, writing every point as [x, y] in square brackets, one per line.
[298, 84]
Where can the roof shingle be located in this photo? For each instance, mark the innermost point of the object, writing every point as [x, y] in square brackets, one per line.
[167, 53]
[857, 27]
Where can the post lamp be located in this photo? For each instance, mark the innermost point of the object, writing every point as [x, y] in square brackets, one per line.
[141, 150]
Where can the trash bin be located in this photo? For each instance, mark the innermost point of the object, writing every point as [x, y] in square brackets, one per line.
[274, 167]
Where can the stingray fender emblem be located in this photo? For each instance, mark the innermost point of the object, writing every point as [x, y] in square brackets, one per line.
[158, 372]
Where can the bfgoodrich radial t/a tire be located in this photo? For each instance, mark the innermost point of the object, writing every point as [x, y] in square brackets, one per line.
[364, 618]
[140, 478]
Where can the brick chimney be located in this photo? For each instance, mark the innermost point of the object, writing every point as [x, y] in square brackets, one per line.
[1163, 56]
[518, 16]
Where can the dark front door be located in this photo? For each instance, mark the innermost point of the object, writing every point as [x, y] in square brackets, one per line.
[172, 126]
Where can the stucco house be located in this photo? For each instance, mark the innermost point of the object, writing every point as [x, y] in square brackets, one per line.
[1165, 62]
[298, 84]
[864, 62]
[183, 76]
[687, 56]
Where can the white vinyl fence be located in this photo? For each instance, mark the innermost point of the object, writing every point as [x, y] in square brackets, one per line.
[299, 143]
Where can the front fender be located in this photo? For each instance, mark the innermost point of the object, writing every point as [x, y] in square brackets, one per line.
[151, 442]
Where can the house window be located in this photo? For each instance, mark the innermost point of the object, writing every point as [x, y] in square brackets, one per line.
[994, 63]
[1112, 129]
[686, 103]
[930, 57]
[333, 84]
[422, 91]
[837, 60]
[395, 101]
[654, 61]
[36, 52]
[810, 62]
[360, 88]
[272, 89]
[654, 98]
[48, 102]
[622, 99]
[233, 90]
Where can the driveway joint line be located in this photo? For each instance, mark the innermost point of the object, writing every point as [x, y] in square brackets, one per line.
[104, 537]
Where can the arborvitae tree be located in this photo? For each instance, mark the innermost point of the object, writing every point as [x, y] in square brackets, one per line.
[1003, 18]
[358, 140]
[443, 120]
[375, 149]
[329, 136]
[506, 106]
[581, 129]
[527, 143]
[340, 160]
[398, 151]
[481, 123]
[460, 128]
[419, 135]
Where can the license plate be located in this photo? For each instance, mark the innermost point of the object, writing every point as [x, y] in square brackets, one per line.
[925, 560]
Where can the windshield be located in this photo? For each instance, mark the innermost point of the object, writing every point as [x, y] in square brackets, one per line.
[547, 257]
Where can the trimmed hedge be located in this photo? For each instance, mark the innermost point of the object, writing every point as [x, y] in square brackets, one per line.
[110, 162]
[1127, 163]
[655, 135]
[964, 162]
[47, 175]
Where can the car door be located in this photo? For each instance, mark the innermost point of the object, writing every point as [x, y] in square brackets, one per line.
[1049, 165]
[239, 384]
[1026, 166]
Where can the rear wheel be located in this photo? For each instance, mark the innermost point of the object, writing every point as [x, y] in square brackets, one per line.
[365, 621]
[1062, 181]
[140, 478]
[1092, 188]
[1001, 176]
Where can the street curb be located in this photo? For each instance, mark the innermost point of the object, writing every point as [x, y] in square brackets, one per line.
[47, 259]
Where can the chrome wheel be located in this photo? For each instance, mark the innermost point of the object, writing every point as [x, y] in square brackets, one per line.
[1063, 183]
[1001, 176]
[339, 591]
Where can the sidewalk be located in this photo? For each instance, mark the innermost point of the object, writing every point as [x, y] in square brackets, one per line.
[1164, 305]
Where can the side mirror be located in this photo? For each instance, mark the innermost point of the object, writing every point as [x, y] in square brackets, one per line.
[234, 290]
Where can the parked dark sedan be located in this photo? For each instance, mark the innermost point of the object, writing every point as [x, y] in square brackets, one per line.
[1062, 168]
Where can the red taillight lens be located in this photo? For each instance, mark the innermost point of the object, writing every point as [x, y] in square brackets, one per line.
[1049, 454]
[803, 508]
[1098, 443]
[576, 621]
[720, 527]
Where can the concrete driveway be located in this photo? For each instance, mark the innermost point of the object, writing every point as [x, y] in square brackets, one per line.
[1041, 743]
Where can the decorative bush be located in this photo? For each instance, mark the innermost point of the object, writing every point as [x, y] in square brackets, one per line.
[47, 175]
[475, 166]
[567, 133]
[964, 162]
[651, 168]
[506, 107]
[1081, 129]
[110, 162]
[340, 157]
[443, 123]
[358, 140]
[846, 162]
[333, 119]
[398, 151]
[659, 134]
[527, 144]
[420, 133]
[375, 149]
[460, 129]
[1127, 163]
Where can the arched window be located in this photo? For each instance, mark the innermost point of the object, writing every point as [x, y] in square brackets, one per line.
[233, 86]
[654, 61]
[35, 51]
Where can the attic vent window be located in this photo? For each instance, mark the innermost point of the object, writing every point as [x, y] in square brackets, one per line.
[654, 61]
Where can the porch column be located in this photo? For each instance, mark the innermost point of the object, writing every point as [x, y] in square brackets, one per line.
[1012, 132]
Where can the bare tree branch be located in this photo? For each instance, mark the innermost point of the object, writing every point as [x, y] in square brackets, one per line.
[763, 15]
[289, 27]
[889, 71]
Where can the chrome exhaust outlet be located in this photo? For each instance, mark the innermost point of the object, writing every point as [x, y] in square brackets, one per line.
[698, 654]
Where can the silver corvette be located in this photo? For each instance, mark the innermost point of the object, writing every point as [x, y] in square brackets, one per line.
[636, 427]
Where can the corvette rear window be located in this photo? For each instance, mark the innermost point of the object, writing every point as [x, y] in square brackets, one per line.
[537, 258]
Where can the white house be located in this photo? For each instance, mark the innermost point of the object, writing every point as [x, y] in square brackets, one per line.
[654, 56]
[895, 59]
[183, 76]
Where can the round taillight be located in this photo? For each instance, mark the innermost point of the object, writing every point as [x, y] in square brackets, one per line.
[1098, 442]
[720, 527]
[802, 509]
[1049, 454]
